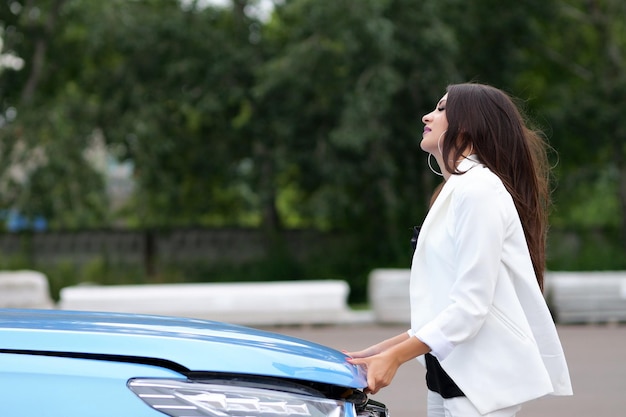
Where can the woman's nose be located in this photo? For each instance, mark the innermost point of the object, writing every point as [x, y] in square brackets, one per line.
[425, 118]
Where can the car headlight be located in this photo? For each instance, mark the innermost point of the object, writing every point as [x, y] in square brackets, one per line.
[178, 398]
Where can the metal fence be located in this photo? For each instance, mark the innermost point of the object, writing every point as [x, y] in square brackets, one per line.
[148, 247]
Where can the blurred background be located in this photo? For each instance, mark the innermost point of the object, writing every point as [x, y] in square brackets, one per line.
[165, 141]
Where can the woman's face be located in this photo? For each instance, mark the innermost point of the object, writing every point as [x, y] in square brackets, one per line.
[436, 125]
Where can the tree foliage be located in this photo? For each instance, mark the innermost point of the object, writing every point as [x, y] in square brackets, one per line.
[311, 118]
[47, 122]
[590, 76]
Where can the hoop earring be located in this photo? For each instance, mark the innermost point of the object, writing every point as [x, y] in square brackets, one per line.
[431, 167]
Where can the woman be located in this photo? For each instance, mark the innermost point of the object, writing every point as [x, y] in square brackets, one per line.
[479, 321]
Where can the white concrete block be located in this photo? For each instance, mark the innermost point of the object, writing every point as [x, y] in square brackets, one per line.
[574, 297]
[388, 294]
[265, 303]
[24, 289]
[587, 297]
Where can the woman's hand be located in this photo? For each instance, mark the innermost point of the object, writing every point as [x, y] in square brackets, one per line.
[381, 368]
[382, 361]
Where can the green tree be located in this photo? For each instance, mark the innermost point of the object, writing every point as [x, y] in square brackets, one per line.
[343, 93]
[47, 126]
[162, 85]
[174, 91]
[581, 87]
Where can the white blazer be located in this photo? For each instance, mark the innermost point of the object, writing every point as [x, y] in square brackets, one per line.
[475, 300]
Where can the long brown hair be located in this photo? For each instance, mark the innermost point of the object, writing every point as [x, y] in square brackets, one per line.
[485, 119]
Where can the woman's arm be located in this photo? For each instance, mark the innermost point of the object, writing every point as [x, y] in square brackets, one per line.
[379, 347]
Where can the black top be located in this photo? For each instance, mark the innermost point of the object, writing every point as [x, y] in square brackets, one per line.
[437, 380]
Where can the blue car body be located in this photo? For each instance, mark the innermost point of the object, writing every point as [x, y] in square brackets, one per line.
[60, 363]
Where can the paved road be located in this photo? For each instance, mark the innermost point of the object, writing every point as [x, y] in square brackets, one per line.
[596, 357]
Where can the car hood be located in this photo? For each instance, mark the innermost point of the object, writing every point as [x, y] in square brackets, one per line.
[196, 345]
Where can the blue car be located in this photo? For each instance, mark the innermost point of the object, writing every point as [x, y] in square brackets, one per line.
[68, 364]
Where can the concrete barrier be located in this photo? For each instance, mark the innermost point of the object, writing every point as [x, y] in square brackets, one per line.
[587, 297]
[24, 289]
[264, 303]
[573, 297]
[388, 295]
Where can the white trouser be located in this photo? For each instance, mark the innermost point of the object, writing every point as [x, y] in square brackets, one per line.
[462, 407]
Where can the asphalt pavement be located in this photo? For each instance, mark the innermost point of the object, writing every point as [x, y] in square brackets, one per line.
[596, 357]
